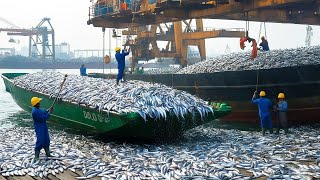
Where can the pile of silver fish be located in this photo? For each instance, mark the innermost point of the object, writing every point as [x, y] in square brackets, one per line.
[166, 70]
[149, 100]
[204, 153]
[265, 60]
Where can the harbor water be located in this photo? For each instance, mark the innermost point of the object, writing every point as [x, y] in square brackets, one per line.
[211, 151]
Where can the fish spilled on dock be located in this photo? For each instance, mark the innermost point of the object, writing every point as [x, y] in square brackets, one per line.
[204, 153]
[265, 60]
[150, 100]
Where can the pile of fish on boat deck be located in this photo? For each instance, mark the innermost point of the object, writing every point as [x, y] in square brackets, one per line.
[149, 100]
[265, 60]
[241, 61]
[166, 70]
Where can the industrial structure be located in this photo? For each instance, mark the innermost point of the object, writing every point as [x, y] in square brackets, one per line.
[309, 35]
[41, 45]
[143, 40]
[124, 14]
[147, 21]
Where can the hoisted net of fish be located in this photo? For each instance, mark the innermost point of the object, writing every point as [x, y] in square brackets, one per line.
[265, 60]
[151, 101]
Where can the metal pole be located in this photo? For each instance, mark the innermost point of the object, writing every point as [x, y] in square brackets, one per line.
[110, 48]
[103, 47]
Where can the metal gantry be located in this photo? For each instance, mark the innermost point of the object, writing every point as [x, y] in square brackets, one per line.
[40, 43]
[123, 14]
[178, 37]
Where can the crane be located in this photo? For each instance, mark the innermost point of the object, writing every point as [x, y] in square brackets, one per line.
[309, 35]
[38, 38]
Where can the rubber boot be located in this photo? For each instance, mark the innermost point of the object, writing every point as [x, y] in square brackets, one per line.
[263, 131]
[278, 131]
[36, 155]
[117, 82]
[47, 152]
[286, 131]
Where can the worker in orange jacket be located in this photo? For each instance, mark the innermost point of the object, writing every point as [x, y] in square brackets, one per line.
[254, 51]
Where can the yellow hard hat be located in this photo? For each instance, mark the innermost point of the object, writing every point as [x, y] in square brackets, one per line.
[262, 93]
[35, 101]
[117, 49]
[281, 96]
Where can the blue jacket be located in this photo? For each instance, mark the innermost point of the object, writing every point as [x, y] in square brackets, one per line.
[120, 57]
[282, 106]
[264, 105]
[83, 71]
[265, 46]
[40, 116]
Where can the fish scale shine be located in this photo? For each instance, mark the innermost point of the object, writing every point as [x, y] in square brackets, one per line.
[148, 99]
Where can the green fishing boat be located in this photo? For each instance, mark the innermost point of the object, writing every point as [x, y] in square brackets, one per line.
[80, 117]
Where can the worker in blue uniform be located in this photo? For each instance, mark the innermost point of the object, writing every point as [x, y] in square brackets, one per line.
[83, 70]
[120, 57]
[264, 105]
[40, 116]
[264, 45]
[281, 111]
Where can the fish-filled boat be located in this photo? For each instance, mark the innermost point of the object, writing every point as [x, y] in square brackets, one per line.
[136, 109]
[234, 77]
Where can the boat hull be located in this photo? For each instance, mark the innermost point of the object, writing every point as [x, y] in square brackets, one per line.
[90, 120]
[301, 84]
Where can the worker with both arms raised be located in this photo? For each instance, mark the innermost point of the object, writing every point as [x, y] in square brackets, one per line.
[264, 105]
[40, 116]
[120, 57]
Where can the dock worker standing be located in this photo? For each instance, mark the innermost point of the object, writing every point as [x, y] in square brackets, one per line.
[40, 116]
[120, 57]
[264, 105]
[264, 46]
[83, 70]
[281, 109]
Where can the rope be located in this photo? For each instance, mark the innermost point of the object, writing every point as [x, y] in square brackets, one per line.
[265, 30]
[247, 24]
[257, 79]
[259, 33]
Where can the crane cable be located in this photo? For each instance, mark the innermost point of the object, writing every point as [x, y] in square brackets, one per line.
[265, 33]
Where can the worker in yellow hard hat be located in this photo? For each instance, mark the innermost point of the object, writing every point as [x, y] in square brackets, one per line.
[264, 106]
[40, 116]
[281, 109]
[121, 59]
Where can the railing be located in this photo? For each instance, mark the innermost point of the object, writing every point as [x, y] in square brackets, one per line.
[218, 29]
[104, 8]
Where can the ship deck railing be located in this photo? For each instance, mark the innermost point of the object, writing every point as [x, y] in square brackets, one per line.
[102, 9]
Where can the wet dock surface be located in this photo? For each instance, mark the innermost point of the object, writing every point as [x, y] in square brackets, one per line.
[202, 153]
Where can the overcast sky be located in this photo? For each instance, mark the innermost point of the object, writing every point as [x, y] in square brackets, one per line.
[69, 18]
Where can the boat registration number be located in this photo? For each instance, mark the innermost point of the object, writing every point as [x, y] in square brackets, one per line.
[95, 117]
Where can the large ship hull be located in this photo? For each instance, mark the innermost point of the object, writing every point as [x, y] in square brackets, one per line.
[301, 85]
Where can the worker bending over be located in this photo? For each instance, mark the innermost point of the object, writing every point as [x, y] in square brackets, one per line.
[40, 116]
[264, 105]
[120, 57]
[254, 51]
[264, 46]
[281, 109]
